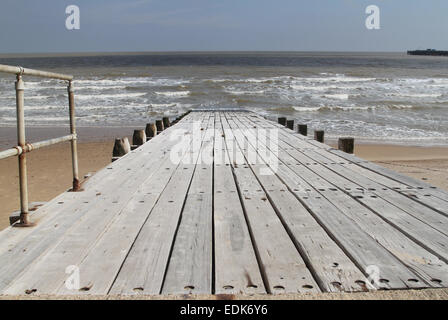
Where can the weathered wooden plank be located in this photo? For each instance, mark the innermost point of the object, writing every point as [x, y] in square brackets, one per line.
[144, 268]
[430, 196]
[333, 270]
[79, 239]
[338, 157]
[385, 181]
[398, 208]
[101, 266]
[137, 229]
[48, 233]
[412, 182]
[344, 178]
[415, 229]
[346, 233]
[419, 260]
[372, 180]
[69, 202]
[437, 203]
[426, 197]
[24, 245]
[417, 210]
[414, 209]
[190, 265]
[9, 237]
[281, 264]
[236, 266]
[363, 249]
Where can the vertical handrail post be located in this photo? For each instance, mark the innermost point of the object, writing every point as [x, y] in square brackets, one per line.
[71, 102]
[21, 141]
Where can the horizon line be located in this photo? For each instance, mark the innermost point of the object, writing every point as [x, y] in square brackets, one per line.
[184, 52]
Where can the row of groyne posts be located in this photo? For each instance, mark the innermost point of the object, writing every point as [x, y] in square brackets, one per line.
[346, 144]
[122, 146]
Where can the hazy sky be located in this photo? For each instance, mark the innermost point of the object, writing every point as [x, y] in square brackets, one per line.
[28, 26]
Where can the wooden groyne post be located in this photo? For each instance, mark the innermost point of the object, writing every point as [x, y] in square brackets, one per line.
[282, 121]
[121, 148]
[290, 124]
[302, 129]
[122, 145]
[346, 144]
[159, 125]
[166, 122]
[319, 135]
[151, 131]
[138, 138]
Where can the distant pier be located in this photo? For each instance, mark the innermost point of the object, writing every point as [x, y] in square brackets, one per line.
[428, 52]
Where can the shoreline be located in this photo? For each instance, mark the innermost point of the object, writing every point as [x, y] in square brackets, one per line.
[8, 135]
[378, 152]
[50, 173]
[430, 142]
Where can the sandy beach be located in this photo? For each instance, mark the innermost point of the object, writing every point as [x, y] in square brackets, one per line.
[49, 170]
[426, 163]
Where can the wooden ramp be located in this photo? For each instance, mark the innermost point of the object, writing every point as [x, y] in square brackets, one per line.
[226, 202]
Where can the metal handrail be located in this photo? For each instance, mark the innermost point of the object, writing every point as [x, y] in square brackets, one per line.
[32, 72]
[23, 147]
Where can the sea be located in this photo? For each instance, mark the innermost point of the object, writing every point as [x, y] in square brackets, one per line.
[374, 97]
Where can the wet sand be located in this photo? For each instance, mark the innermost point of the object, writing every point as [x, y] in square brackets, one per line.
[50, 172]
